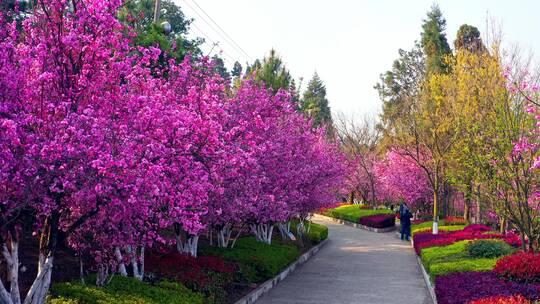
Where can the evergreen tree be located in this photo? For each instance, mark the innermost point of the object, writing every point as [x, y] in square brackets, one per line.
[219, 67]
[272, 72]
[399, 87]
[315, 104]
[139, 14]
[468, 37]
[237, 69]
[434, 41]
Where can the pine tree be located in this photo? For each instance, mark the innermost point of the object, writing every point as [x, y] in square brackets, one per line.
[468, 38]
[434, 41]
[272, 72]
[315, 104]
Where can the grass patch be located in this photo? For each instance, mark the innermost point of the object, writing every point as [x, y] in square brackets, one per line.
[258, 261]
[123, 290]
[353, 213]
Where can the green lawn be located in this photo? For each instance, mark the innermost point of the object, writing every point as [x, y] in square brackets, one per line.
[353, 213]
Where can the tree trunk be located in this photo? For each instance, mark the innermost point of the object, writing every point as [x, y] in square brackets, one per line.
[263, 232]
[39, 289]
[120, 260]
[11, 255]
[224, 236]
[435, 228]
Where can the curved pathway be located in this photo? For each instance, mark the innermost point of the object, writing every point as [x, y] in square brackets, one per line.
[355, 266]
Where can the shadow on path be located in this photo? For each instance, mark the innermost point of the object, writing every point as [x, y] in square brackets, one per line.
[355, 266]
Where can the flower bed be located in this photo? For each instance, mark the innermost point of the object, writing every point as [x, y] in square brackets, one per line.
[353, 213]
[474, 265]
[378, 220]
[521, 267]
[209, 275]
[466, 287]
[471, 232]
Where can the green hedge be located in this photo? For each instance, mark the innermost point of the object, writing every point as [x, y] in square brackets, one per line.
[462, 265]
[317, 232]
[441, 228]
[454, 258]
[258, 261]
[353, 213]
[489, 249]
[123, 290]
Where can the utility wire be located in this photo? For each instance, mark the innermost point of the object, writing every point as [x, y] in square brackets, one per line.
[214, 43]
[222, 30]
[237, 49]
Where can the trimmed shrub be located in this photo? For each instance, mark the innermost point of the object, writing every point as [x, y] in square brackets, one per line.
[454, 220]
[477, 228]
[441, 228]
[317, 232]
[489, 249]
[518, 299]
[122, 290]
[258, 261]
[465, 287]
[378, 221]
[461, 265]
[427, 239]
[210, 275]
[521, 267]
[453, 252]
[353, 213]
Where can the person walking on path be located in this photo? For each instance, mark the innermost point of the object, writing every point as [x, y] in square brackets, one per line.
[405, 219]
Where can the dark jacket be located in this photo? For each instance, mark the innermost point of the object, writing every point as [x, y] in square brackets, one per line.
[406, 218]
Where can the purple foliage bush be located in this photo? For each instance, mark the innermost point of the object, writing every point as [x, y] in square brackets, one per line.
[378, 221]
[462, 288]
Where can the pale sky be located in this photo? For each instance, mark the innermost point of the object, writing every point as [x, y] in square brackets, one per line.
[348, 43]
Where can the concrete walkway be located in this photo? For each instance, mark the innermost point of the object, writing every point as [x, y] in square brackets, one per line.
[355, 266]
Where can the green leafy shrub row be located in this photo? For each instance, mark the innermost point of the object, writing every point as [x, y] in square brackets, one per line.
[122, 290]
[258, 261]
[489, 249]
[415, 230]
[478, 255]
[317, 232]
[353, 213]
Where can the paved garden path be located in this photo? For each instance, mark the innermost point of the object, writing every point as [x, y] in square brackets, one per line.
[355, 266]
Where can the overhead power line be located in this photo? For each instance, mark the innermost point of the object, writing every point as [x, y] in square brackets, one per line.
[222, 30]
[222, 34]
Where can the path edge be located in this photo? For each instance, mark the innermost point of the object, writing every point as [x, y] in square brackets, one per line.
[356, 225]
[427, 280]
[265, 287]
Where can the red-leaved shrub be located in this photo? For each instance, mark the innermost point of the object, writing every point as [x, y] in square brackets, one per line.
[518, 299]
[465, 287]
[378, 220]
[210, 275]
[472, 232]
[521, 267]
[454, 220]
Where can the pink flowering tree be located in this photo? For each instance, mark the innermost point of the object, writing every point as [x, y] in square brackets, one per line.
[400, 179]
[95, 138]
